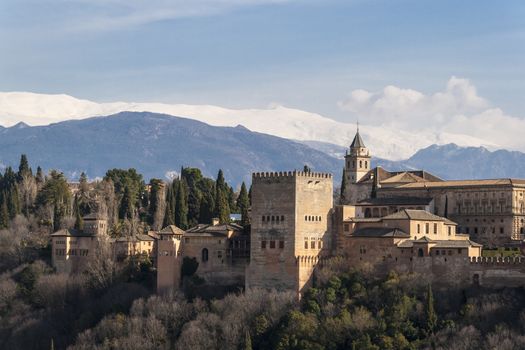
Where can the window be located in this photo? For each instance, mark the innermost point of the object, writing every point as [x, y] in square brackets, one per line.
[418, 228]
[501, 230]
[420, 252]
[319, 244]
[305, 218]
[437, 252]
[435, 228]
[360, 163]
[282, 217]
[204, 255]
[427, 228]
[460, 250]
[263, 244]
[273, 218]
[306, 243]
[263, 218]
[449, 230]
[475, 230]
[281, 244]
[366, 164]
[272, 244]
[362, 249]
[312, 243]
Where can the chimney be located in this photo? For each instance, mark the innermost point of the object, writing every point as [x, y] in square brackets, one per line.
[215, 221]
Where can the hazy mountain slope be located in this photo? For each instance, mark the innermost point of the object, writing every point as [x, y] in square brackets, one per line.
[387, 142]
[156, 144]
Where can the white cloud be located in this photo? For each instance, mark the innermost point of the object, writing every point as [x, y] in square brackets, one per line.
[458, 110]
[117, 14]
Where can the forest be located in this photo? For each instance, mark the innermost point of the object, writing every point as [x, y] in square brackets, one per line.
[114, 306]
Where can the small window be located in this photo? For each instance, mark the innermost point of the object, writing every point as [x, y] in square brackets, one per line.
[460, 250]
[435, 228]
[319, 244]
[427, 228]
[282, 217]
[305, 218]
[281, 244]
[501, 230]
[263, 218]
[204, 255]
[312, 244]
[306, 243]
[449, 230]
[272, 244]
[273, 218]
[263, 244]
[437, 252]
[418, 228]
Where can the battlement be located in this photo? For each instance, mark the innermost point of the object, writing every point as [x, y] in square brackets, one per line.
[290, 174]
[497, 260]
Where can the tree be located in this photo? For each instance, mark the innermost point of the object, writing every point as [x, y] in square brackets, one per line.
[39, 177]
[157, 203]
[4, 213]
[243, 203]
[181, 213]
[222, 209]
[79, 221]
[56, 196]
[430, 314]
[127, 206]
[23, 169]
[342, 198]
[169, 217]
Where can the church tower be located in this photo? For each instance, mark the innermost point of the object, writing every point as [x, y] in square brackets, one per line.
[357, 160]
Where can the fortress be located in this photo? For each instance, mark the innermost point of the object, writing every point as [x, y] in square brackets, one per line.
[408, 221]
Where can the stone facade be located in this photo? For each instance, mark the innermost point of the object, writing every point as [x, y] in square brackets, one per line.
[71, 250]
[290, 228]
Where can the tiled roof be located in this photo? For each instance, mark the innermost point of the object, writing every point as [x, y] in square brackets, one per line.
[358, 141]
[463, 183]
[71, 232]
[414, 214]
[213, 230]
[440, 243]
[172, 229]
[141, 237]
[395, 201]
[380, 232]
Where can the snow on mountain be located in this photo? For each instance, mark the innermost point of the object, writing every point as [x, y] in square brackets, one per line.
[385, 142]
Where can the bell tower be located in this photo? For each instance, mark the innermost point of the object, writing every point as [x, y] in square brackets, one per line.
[357, 160]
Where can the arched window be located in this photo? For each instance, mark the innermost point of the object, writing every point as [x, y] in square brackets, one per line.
[360, 164]
[420, 252]
[204, 255]
[418, 228]
[366, 164]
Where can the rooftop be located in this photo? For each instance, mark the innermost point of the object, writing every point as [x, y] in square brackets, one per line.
[414, 214]
[395, 201]
[380, 232]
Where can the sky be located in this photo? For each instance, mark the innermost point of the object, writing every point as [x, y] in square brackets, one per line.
[382, 61]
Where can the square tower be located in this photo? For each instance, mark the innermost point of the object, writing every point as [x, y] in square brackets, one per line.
[290, 228]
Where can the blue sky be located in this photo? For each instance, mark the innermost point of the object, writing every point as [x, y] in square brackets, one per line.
[305, 54]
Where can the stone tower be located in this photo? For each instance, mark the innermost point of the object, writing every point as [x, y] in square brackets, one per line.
[357, 165]
[169, 259]
[357, 160]
[290, 228]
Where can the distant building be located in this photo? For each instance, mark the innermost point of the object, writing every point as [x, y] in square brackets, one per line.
[72, 249]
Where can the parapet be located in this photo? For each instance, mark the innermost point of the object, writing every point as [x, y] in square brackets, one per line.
[290, 174]
[497, 260]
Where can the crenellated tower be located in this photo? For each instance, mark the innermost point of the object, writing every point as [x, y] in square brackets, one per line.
[290, 228]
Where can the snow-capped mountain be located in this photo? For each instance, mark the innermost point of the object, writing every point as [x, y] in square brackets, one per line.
[385, 142]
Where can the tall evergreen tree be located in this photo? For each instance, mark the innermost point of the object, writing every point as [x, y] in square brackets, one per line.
[207, 208]
[4, 212]
[39, 177]
[127, 206]
[342, 198]
[24, 169]
[169, 217]
[222, 208]
[430, 313]
[243, 204]
[79, 221]
[181, 213]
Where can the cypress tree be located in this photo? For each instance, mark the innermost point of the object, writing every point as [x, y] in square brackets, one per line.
[206, 211]
[24, 169]
[430, 314]
[222, 209]
[243, 203]
[79, 221]
[342, 198]
[169, 217]
[181, 213]
[39, 176]
[126, 205]
[4, 213]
